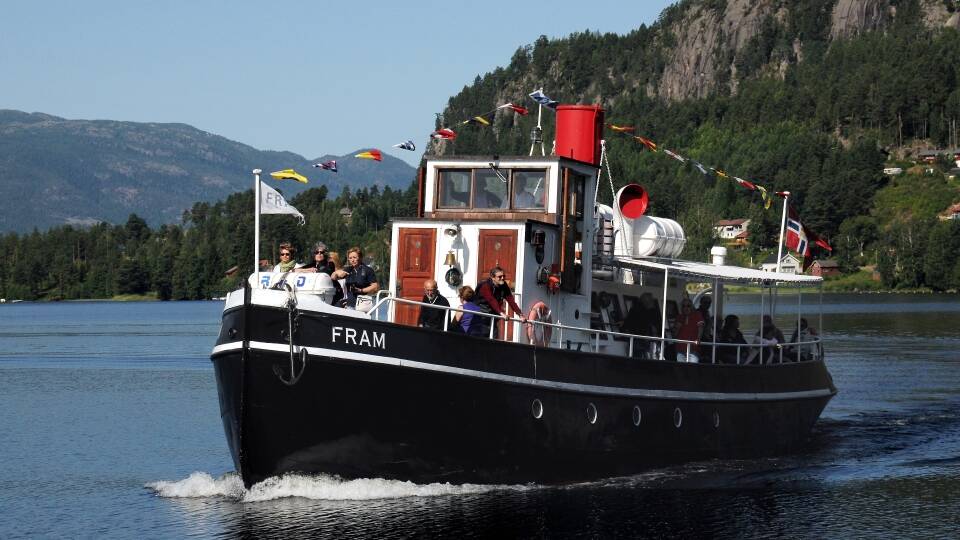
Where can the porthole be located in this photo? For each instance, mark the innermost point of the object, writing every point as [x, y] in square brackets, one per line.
[637, 415]
[536, 408]
[677, 417]
[716, 419]
[591, 413]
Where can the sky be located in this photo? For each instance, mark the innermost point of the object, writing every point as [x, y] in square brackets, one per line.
[313, 78]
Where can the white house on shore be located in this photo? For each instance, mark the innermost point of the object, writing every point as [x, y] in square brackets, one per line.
[789, 264]
[728, 229]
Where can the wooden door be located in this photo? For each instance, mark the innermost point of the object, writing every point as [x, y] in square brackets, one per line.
[415, 258]
[499, 248]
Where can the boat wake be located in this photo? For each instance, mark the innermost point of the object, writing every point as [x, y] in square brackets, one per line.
[320, 487]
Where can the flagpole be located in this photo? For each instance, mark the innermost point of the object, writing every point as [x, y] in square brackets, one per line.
[256, 225]
[783, 224]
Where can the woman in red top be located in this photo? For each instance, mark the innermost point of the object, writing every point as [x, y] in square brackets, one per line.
[689, 326]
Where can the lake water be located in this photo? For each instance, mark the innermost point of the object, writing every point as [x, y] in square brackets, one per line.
[109, 427]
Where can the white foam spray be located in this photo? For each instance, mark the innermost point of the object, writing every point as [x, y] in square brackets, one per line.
[319, 487]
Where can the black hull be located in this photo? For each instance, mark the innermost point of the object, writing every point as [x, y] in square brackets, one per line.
[429, 406]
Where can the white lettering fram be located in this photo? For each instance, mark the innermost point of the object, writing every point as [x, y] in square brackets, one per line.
[347, 335]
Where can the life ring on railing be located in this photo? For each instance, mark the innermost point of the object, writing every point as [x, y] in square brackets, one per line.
[538, 334]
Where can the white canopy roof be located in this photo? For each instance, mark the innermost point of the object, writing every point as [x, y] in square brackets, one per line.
[710, 272]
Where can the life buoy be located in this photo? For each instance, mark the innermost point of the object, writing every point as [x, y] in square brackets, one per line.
[538, 334]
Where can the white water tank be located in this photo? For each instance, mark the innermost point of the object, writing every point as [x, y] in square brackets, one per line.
[638, 235]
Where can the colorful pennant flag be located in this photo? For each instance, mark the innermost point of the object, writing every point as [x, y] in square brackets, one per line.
[621, 129]
[327, 165]
[522, 111]
[767, 199]
[444, 133]
[675, 156]
[370, 154]
[542, 99]
[289, 174]
[406, 146]
[483, 119]
[699, 166]
[744, 183]
[648, 143]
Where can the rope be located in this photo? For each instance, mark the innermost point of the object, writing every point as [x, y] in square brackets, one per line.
[605, 161]
[293, 322]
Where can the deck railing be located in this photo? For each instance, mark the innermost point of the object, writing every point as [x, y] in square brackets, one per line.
[657, 346]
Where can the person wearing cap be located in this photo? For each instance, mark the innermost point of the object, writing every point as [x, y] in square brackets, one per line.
[320, 261]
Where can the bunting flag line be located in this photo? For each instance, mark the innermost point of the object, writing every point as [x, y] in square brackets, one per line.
[522, 111]
[542, 99]
[621, 129]
[327, 165]
[370, 154]
[444, 133]
[704, 170]
[408, 145]
[289, 174]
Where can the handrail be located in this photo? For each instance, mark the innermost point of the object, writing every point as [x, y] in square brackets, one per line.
[595, 333]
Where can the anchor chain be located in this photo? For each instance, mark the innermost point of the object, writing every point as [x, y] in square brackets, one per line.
[293, 325]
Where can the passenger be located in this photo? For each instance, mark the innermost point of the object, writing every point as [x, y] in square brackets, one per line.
[807, 352]
[643, 319]
[358, 278]
[432, 317]
[704, 309]
[493, 292]
[287, 262]
[469, 323]
[730, 333]
[689, 327]
[770, 343]
[335, 259]
[320, 261]
[338, 299]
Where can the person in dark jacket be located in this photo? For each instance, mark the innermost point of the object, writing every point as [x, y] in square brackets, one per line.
[643, 319]
[493, 295]
[432, 317]
[358, 277]
[730, 333]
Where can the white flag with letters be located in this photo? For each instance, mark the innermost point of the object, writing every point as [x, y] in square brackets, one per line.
[272, 202]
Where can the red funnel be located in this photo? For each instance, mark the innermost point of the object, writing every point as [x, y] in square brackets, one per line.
[632, 200]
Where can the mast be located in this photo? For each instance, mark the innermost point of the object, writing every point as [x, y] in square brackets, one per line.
[256, 223]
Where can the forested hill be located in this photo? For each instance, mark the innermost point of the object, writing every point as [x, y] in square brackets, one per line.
[810, 96]
[55, 171]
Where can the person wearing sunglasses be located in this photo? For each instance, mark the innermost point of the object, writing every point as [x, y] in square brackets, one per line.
[320, 262]
[494, 294]
[287, 262]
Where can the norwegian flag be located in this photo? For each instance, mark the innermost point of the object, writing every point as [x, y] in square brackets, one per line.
[798, 238]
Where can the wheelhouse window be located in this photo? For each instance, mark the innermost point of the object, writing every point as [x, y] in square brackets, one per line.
[489, 189]
[484, 188]
[530, 189]
[454, 189]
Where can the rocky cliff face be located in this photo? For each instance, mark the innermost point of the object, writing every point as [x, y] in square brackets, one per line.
[705, 44]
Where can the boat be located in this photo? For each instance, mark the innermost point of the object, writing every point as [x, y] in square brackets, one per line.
[312, 388]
